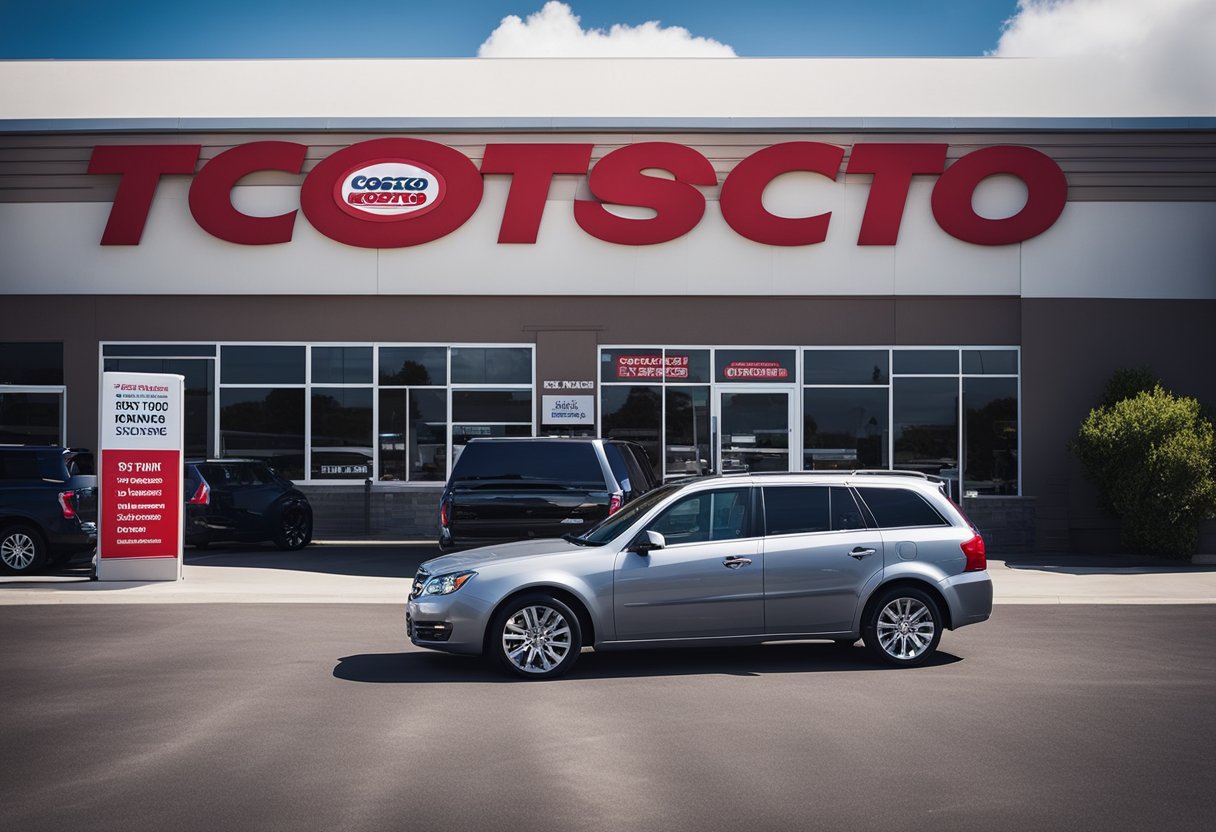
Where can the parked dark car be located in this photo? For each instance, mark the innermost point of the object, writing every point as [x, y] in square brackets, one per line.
[48, 507]
[517, 489]
[243, 500]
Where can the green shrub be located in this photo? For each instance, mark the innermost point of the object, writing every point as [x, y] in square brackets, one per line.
[1153, 459]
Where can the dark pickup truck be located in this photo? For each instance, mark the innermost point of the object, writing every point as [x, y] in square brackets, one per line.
[48, 507]
[516, 489]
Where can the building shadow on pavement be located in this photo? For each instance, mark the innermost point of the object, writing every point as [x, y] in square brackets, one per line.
[367, 561]
[793, 657]
[1067, 564]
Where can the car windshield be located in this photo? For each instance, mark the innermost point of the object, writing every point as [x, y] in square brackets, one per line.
[610, 527]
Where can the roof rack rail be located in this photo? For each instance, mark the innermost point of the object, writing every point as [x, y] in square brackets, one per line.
[876, 472]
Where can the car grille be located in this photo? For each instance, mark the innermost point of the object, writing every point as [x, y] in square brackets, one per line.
[419, 581]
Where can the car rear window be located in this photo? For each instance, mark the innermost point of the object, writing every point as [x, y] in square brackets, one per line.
[19, 465]
[567, 463]
[898, 507]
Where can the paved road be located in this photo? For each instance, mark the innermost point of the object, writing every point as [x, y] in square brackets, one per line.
[303, 717]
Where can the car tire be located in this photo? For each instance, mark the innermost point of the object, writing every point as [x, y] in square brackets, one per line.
[22, 551]
[293, 530]
[536, 636]
[903, 626]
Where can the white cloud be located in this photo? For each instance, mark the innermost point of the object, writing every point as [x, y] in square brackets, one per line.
[1171, 44]
[556, 32]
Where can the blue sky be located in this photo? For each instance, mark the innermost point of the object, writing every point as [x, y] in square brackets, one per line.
[413, 28]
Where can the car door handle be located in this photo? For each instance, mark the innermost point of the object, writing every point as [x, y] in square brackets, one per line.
[736, 562]
[860, 553]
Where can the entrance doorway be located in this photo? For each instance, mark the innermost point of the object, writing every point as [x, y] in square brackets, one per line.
[755, 429]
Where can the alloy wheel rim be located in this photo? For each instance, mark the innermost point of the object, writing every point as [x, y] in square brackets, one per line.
[905, 628]
[17, 551]
[536, 639]
[295, 527]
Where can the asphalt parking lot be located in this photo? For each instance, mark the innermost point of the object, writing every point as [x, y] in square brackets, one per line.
[322, 716]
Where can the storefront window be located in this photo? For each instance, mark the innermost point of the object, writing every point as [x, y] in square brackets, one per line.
[341, 365]
[492, 406]
[844, 428]
[261, 365]
[926, 426]
[926, 362]
[990, 362]
[846, 367]
[341, 432]
[687, 450]
[635, 413]
[414, 365]
[413, 435]
[990, 431]
[491, 365]
[264, 423]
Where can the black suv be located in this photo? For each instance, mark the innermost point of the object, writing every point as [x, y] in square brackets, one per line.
[48, 507]
[243, 500]
[515, 489]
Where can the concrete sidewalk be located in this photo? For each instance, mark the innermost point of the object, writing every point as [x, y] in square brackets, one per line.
[381, 574]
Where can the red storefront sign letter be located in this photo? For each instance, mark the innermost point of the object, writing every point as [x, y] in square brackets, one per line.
[619, 179]
[1046, 193]
[532, 168]
[893, 166]
[141, 167]
[744, 186]
[211, 193]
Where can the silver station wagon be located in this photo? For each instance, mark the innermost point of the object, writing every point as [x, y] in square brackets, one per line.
[881, 556]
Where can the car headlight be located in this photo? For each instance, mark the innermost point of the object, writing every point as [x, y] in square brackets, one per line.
[446, 584]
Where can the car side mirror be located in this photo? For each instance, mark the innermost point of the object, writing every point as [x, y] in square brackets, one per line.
[646, 542]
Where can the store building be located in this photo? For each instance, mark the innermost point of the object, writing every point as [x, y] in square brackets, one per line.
[930, 265]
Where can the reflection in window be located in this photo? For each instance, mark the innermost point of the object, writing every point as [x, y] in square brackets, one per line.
[341, 365]
[926, 362]
[414, 365]
[687, 432]
[492, 406]
[709, 515]
[264, 423]
[926, 426]
[990, 362]
[990, 435]
[413, 435]
[634, 413]
[845, 366]
[341, 432]
[844, 428]
[491, 365]
[262, 365]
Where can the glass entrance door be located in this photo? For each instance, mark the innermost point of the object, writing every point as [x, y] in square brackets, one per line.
[755, 429]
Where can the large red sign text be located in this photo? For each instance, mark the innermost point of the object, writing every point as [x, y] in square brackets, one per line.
[619, 178]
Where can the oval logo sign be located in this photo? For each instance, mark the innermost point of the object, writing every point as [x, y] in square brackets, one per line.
[388, 190]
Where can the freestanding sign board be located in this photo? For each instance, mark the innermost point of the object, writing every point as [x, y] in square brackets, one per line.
[140, 500]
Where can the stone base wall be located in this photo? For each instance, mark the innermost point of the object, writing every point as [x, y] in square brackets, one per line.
[382, 512]
[1006, 523]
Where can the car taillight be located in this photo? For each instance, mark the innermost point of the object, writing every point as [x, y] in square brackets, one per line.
[977, 561]
[614, 505]
[443, 514]
[65, 503]
[202, 495]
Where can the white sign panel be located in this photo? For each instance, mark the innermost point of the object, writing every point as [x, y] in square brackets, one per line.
[140, 477]
[568, 410]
